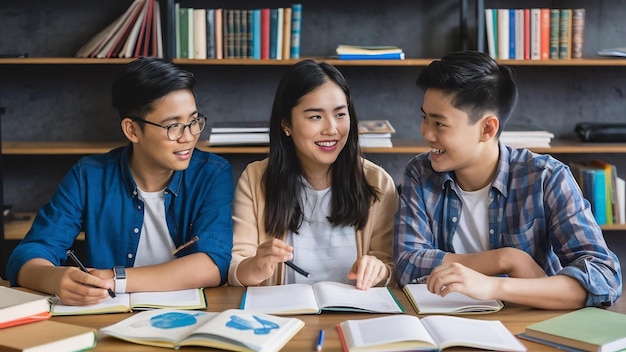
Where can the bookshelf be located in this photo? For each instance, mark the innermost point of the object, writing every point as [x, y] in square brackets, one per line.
[58, 106]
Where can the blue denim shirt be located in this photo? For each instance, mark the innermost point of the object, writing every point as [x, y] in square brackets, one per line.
[99, 197]
[536, 206]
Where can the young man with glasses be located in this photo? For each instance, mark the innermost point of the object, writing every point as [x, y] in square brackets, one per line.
[156, 213]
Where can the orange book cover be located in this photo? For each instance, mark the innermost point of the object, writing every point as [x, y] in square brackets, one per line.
[544, 33]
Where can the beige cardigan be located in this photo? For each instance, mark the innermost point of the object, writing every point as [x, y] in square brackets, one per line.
[375, 239]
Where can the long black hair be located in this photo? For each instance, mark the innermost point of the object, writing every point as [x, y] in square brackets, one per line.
[351, 194]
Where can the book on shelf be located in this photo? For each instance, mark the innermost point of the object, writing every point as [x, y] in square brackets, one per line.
[518, 136]
[610, 182]
[615, 52]
[578, 29]
[433, 333]
[355, 52]
[232, 329]
[19, 307]
[318, 297]
[586, 329]
[240, 127]
[376, 127]
[425, 302]
[375, 141]
[591, 181]
[296, 28]
[245, 138]
[127, 302]
[48, 336]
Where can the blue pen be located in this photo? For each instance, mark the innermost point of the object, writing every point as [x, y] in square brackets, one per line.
[320, 340]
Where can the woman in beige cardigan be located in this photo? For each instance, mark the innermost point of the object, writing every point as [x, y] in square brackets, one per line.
[315, 202]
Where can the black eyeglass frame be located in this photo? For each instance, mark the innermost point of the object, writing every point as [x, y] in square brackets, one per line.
[169, 127]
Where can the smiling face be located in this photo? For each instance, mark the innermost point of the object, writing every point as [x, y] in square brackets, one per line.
[470, 150]
[153, 152]
[320, 124]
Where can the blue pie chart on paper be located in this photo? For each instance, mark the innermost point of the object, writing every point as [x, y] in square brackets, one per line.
[172, 320]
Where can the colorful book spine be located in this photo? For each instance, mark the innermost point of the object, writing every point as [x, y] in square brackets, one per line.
[512, 34]
[535, 34]
[578, 28]
[555, 15]
[489, 26]
[256, 34]
[183, 21]
[265, 33]
[565, 33]
[503, 33]
[210, 34]
[296, 26]
[273, 33]
[287, 33]
[545, 34]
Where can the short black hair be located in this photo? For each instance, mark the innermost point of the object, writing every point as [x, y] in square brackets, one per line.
[476, 81]
[145, 80]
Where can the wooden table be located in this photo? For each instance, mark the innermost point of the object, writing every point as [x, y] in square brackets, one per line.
[514, 317]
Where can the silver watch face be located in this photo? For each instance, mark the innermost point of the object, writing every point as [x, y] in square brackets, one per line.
[120, 272]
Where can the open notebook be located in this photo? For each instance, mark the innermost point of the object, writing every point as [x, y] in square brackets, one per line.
[127, 302]
[325, 295]
[426, 302]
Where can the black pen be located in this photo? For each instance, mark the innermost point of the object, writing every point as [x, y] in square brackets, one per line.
[70, 253]
[297, 269]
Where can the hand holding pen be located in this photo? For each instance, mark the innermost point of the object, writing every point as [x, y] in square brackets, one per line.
[70, 253]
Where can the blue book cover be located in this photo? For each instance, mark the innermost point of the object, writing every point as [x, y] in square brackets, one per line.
[392, 56]
[296, 26]
[273, 33]
[210, 34]
[512, 34]
[599, 197]
[256, 34]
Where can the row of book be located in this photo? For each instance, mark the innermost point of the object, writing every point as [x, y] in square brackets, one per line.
[604, 189]
[535, 33]
[264, 33]
[137, 32]
[372, 133]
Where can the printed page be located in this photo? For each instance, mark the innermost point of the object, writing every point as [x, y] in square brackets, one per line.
[118, 304]
[182, 299]
[393, 332]
[161, 327]
[256, 331]
[282, 299]
[450, 331]
[338, 296]
[426, 302]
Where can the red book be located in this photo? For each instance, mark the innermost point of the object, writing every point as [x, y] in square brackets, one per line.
[265, 33]
[526, 34]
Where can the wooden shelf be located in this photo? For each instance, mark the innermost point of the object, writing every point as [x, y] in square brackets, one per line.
[250, 62]
[17, 229]
[401, 146]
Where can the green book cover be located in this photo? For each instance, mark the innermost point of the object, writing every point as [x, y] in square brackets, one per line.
[587, 329]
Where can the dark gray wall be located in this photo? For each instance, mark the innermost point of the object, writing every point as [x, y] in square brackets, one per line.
[71, 102]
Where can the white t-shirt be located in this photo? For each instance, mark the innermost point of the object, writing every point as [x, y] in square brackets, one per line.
[472, 231]
[325, 251]
[155, 243]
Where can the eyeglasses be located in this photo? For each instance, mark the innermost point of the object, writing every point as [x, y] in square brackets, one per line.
[176, 130]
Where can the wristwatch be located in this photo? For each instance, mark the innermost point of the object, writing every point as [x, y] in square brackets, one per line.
[119, 275]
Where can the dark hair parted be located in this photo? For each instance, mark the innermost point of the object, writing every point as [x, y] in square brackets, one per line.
[351, 194]
[145, 80]
[479, 84]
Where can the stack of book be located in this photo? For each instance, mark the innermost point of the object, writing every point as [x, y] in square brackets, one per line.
[375, 134]
[239, 133]
[137, 32]
[24, 325]
[353, 52]
[526, 137]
